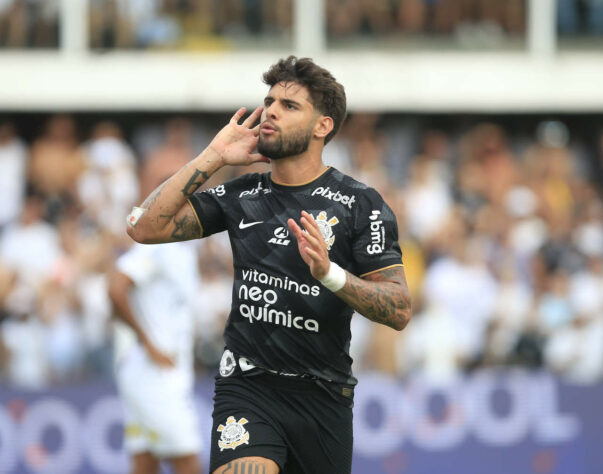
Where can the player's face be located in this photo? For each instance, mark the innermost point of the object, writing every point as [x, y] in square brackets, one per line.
[287, 123]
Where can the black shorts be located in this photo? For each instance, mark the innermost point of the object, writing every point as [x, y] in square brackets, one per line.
[290, 420]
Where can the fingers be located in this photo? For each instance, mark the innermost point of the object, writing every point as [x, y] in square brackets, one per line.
[312, 240]
[312, 228]
[313, 254]
[312, 234]
[258, 157]
[249, 121]
[315, 242]
[237, 115]
[294, 228]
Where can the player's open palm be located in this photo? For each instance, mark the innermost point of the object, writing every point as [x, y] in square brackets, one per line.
[311, 245]
[236, 143]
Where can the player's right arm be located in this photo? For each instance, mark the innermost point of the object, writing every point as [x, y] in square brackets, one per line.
[120, 286]
[165, 215]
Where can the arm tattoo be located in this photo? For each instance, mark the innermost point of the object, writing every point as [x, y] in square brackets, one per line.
[192, 184]
[381, 297]
[243, 466]
[186, 228]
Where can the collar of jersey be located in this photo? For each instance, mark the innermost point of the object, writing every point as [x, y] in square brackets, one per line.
[296, 187]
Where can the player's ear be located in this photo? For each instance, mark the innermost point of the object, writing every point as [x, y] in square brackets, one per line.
[323, 126]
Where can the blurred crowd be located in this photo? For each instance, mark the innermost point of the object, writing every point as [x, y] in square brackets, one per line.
[220, 24]
[501, 231]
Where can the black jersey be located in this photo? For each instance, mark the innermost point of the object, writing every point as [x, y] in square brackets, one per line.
[282, 318]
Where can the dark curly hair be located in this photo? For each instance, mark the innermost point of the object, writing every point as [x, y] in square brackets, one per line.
[328, 95]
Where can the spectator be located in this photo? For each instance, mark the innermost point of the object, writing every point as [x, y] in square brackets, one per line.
[13, 165]
[55, 164]
[108, 185]
[575, 350]
[22, 338]
[428, 200]
[31, 246]
[460, 285]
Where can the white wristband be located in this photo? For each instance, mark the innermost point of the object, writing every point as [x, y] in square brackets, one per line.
[335, 278]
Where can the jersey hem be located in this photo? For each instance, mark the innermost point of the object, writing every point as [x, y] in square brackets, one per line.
[299, 184]
[196, 217]
[380, 269]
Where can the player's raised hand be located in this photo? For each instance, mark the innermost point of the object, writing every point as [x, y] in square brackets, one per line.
[236, 142]
[311, 245]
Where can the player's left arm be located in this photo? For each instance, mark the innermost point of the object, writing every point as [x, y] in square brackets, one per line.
[381, 296]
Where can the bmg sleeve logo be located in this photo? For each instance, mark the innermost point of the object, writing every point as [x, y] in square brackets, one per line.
[377, 244]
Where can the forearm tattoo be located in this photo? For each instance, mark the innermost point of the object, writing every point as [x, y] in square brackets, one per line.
[193, 183]
[242, 466]
[186, 228]
[381, 297]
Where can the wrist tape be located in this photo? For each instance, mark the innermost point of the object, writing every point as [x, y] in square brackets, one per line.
[335, 278]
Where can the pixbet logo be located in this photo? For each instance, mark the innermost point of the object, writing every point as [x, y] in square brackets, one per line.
[335, 196]
[253, 191]
[377, 244]
[280, 237]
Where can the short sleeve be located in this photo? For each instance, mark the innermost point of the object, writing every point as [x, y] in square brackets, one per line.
[138, 264]
[375, 236]
[209, 207]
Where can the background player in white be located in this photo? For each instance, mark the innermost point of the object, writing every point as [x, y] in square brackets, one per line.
[152, 290]
[303, 109]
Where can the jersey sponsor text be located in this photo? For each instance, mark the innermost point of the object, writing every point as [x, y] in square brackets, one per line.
[283, 283]
[218, 190]
[377, 244]
[280, 237]
[335, 196]
[256, 190]
[275, 316]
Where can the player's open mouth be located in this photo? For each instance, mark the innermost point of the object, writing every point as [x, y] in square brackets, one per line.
[268, 129]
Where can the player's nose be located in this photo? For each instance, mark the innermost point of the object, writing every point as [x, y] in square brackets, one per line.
[270, 111]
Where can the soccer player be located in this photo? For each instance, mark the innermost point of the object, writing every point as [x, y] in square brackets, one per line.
[152, 290]
[310, 245]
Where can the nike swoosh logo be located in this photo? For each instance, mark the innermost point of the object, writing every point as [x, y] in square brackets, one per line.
[243, 225]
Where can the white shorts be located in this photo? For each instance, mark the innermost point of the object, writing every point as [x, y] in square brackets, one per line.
[160, 414]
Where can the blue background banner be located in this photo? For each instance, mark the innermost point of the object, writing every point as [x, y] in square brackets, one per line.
[491, 421]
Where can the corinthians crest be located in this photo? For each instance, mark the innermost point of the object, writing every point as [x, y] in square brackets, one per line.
[233, 434]
[325, 225]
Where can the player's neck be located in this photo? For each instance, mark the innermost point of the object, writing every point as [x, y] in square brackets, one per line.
[297, 170]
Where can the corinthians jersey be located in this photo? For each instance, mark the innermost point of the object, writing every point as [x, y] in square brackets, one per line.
[282, 318]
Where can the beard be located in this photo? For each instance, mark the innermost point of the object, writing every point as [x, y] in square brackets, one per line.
[283, 146]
